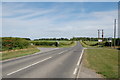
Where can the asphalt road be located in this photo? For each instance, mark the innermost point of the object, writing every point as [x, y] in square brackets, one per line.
[59, 63]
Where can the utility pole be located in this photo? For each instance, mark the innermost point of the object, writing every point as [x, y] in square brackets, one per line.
[102, 35]
[98, 34]
[114, 33]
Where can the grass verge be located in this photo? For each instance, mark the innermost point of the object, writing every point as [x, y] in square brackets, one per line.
[18, 53]
[103, 61]
[84, 45]
[91, 43]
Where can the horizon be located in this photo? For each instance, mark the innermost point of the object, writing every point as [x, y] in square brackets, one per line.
[60, 37]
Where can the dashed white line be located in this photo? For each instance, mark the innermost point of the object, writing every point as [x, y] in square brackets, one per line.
[29, 66]
[62, 52]
[75, 71]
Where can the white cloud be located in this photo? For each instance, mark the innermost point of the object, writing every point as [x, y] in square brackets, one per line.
[45, 26]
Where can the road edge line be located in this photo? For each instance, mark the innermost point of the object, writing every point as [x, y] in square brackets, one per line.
[79, 62]
[75, 71]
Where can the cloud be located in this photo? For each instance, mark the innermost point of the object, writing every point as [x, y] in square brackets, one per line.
[56, 23]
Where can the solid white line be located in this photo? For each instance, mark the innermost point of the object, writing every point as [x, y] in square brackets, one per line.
[29, 66]
[78, 63]
[79, 71]
[75, 71]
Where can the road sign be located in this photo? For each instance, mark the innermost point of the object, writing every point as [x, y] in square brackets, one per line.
[109, 40]
[99, 40]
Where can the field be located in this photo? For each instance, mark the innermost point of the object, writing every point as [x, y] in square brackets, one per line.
[103, 61]
[17, 53]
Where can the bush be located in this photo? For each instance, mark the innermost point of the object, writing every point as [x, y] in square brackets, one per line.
[118, 42]
[107, 44]
[9, 43]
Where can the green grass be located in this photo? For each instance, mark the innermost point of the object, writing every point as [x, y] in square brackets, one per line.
[84, 45]
[104, 61]
[18, 53]
[91, 42]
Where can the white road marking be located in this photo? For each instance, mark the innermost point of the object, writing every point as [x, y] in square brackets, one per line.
[79, 71]
[29, 66]
[78, 63]
[62, 52]
[75, 71]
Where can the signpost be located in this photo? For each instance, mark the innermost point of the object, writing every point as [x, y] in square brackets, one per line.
[100, 40]
[110, 41]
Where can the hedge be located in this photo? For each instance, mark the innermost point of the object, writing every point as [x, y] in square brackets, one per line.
[10, 43]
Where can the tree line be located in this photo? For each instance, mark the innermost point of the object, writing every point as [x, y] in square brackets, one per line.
[58, 39]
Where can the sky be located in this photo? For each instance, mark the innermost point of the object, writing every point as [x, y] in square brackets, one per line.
[57, 19]
[60, 0]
